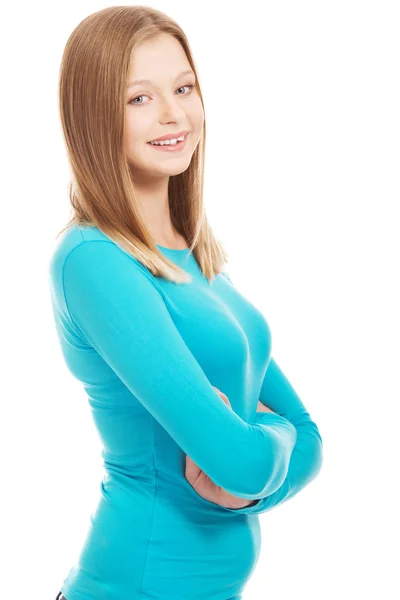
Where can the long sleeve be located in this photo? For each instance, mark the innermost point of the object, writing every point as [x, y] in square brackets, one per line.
[306, 459]
[117, 307]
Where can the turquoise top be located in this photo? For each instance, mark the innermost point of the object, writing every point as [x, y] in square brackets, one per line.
[148, 352]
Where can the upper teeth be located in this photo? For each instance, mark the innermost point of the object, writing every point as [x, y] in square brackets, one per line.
[173, 141]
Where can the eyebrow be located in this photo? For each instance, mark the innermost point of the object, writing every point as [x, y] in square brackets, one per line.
[141, 81]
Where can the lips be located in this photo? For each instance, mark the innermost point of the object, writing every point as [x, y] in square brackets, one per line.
[169, 148]
[177, 143]
[169, 136]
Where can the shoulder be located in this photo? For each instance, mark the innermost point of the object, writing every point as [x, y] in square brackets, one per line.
[85, 260]
[85, 245]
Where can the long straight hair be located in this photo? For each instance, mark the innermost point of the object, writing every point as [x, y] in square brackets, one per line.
[92, 103]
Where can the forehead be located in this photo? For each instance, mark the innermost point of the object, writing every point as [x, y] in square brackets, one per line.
[158, 61]
[154, 83]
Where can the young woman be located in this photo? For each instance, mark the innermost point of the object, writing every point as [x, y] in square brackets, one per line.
[201, 430]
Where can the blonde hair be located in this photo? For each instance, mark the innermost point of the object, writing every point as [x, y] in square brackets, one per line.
[92, 104]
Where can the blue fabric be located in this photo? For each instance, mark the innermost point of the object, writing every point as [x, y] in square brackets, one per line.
[148, 352]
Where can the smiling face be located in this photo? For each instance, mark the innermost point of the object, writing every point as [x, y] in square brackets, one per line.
[166, 104]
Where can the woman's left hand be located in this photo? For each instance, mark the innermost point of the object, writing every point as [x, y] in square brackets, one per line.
[206, 488]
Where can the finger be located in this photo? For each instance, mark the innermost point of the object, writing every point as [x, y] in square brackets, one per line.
[219, 391]
[223, 396]
[226, 400]
[262, 408]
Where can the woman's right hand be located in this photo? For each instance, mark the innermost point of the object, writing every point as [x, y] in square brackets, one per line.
[262, 408]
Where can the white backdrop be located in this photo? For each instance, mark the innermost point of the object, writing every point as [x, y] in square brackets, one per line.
[302, 186]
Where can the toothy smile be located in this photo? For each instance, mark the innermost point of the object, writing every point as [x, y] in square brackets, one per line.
[171, 142]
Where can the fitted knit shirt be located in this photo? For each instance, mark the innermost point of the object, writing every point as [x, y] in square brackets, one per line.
[148, 352]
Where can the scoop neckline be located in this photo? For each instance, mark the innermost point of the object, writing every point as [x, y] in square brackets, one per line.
[179, 250]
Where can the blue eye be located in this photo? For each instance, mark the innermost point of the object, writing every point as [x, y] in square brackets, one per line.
[190, 86]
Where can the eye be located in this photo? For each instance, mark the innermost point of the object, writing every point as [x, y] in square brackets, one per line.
[190, 86]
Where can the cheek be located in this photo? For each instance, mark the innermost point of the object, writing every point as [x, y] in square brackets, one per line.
[197, 116]
[137, 128]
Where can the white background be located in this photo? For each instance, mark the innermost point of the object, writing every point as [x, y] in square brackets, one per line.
[302, 186]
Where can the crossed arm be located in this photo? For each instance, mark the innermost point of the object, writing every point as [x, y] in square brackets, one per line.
[307, 455]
